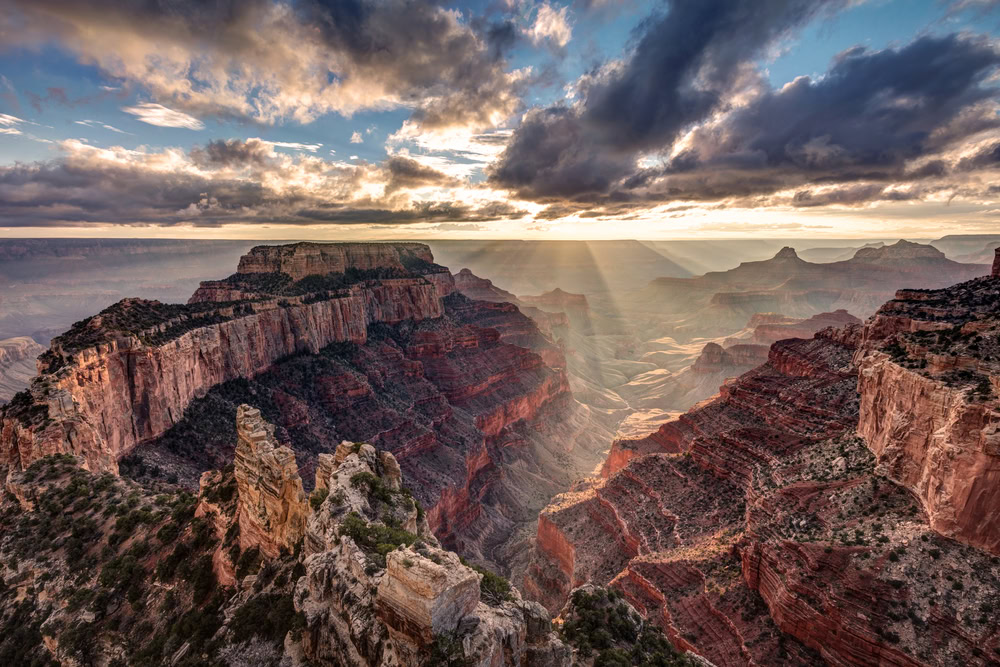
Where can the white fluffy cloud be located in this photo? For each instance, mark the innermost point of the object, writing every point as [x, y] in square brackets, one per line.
[551, 25]
[157, 114]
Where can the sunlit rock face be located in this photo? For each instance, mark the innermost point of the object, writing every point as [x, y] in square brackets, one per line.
[272, 505]
[128, 374]
[928, 380]
[805, 514]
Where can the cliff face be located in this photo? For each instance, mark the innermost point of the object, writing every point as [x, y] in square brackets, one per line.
[929, 410]
[100, 401]
[470, 396]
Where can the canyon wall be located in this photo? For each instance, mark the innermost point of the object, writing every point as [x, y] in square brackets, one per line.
[99, 400]
[928, 380]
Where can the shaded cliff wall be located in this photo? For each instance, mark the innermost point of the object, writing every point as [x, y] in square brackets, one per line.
[108, 398]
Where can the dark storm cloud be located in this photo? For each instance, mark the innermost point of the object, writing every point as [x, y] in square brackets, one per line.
[685, 62]
[871, 111]
[875, 116]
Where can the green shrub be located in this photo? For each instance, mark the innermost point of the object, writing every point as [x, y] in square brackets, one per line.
[317, 497]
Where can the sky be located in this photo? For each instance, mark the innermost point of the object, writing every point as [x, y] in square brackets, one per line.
[351, 119]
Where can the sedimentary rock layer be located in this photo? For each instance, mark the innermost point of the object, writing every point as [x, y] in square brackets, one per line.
[769, 537]
[272, 505]
[99, 399]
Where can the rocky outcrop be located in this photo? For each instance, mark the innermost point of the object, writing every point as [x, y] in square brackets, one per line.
[272, 505]
[481, 289]
[99, 399]
[420, 599]
[415, 604]
[995, 272]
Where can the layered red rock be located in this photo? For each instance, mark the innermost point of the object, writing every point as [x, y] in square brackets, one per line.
[929, 410]
[102, 400]
[272, 505]
[769, 538]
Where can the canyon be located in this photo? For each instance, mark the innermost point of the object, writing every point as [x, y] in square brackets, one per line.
[471, 396]
[291, 459]
[836, 504]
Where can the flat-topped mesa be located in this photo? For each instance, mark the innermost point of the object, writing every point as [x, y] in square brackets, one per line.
[127, 374]
[901, 251]
[301, 268]
[299, 260]
[736, 359]
[272, 505]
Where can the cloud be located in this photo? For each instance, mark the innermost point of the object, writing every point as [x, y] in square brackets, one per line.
[686, 63]
[687, 117]
[233, 181]
[270, 61]
[157, 114]
[6, 120]
[97, 123]
[408, 173]
[294, 145]
[356, 138]
[550, 26]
